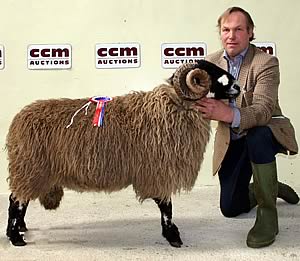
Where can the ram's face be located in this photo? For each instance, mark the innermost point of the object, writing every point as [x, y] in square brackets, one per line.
[224, 88]
[223, 84]
[193, 81]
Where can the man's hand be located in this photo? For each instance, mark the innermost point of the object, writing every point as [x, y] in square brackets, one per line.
[215, 110]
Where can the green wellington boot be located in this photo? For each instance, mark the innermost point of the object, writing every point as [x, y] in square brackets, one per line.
[285, 192]
[265, 228]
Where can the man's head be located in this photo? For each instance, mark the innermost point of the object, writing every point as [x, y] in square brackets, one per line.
[236, 30]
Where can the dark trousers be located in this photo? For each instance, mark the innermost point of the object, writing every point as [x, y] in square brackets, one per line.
[258, 146]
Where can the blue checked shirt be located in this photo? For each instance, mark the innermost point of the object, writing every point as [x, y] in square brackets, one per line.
[234, 66]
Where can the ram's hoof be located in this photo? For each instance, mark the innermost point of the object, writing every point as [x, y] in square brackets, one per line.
[176, 244]
[17, 240]
[171, 233]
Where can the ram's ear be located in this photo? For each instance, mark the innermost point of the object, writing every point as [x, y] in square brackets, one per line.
[170, 80]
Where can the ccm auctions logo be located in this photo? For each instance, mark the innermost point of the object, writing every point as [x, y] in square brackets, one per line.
[46, 56]
[118, 55]
[175, 54]
[1, 57]
[267, 47]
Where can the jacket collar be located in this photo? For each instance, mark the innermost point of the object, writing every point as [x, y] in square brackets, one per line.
[244, 71]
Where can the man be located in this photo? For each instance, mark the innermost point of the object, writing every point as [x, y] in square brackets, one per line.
[251, 130]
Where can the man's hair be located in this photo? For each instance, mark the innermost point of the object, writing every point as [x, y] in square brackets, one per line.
[250, 23]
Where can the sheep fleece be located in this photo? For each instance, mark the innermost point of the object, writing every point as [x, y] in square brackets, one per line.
[152, 140]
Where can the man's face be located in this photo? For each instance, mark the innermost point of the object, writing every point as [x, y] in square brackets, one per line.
[234, 34]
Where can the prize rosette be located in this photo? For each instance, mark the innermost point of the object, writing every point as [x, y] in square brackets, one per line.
[99, 112]
[100, 109]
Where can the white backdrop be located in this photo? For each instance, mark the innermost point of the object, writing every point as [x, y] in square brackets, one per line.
[85, 23]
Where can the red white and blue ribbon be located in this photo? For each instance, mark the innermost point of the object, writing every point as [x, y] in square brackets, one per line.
[99, 112]
[100, 109]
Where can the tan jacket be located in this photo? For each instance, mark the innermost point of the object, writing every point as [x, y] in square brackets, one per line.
[258, 102]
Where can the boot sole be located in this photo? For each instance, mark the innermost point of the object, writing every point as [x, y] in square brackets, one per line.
[260, 244]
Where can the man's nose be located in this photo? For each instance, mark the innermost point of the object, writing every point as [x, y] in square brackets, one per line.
[231, 34]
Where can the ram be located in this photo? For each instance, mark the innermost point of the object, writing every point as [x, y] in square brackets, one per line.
[152, 140]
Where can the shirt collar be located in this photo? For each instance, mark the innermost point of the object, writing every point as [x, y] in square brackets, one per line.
[239, 56]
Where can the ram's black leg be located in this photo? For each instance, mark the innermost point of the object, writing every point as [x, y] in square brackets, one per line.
[23, 227]
[15, 221]
[169, 229]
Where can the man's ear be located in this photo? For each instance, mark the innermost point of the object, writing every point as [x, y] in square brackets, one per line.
[250, 30]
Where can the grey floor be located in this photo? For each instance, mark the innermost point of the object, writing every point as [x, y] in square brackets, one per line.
[97, 226]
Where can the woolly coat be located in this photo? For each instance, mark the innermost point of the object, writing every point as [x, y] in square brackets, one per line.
[152, 140]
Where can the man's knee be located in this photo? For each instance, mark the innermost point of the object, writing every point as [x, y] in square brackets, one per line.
[229, 211]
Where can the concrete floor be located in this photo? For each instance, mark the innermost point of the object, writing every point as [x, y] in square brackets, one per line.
[97, 226]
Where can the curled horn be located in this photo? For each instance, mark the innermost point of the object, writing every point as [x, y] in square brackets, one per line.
[191, 82]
